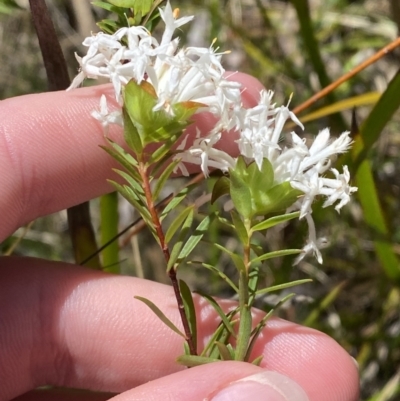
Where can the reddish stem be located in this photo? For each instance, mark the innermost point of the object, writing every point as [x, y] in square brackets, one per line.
[164, 246]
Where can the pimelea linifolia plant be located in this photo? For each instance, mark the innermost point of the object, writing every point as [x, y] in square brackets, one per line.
[159, 87]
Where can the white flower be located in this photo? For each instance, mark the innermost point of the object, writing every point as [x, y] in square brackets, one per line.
[202, 152]
[313, 244]
[105, 117]
[171, 23]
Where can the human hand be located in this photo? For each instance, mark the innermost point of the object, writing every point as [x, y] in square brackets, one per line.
[68, 326]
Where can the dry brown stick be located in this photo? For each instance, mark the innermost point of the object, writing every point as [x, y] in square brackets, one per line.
[387, 49]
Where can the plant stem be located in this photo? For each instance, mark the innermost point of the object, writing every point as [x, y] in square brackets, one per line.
[143, 170]
[244, 332]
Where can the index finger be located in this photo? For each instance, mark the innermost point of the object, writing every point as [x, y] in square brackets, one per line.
[49, 151]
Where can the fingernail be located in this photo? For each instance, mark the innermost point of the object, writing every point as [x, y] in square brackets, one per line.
[263, 386]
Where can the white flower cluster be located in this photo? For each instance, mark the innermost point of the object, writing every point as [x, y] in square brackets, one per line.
[260, 134]
[196, 74]
[177, 75]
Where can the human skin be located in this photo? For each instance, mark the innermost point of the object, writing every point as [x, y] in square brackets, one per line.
[69, 326]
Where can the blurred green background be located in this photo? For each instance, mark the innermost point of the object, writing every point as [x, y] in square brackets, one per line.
[293, 46]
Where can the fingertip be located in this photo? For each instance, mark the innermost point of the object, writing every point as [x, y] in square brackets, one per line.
[251, 87]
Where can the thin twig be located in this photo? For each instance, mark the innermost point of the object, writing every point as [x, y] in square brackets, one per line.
[387, 49]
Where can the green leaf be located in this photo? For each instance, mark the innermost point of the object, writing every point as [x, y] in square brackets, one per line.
[176, 200]
[275, 254]
[277, 199]
[240, 227]
[123, 158]
[254, 276]
[162, 151]
[282, 286]
[221, 187]
[240, 192]
[257, 361]
[227, 323]
[190, 310]
[131, 134]
[380, 115]
[237, 260]
[160, 315]
[163, 178]
[134, 200]
[108, 26]
[273, 221]
[225, 352]
[219, 272]
[133, 183]
[195, 360]
[177, 222]
[195, 238]
[139, 101]
[221, 334]
[139, 6]
[346, 104]
[367, 192]
[175, 257]
[109, 7]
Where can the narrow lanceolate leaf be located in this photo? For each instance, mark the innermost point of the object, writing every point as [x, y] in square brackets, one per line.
[176, 250]
[221, 334]
[219, 272]
[347, 104]
[189, 310]
[131, 134]
[163, 151]
[174, 255]
[237, 260]
[282, 286]
[177, 223]
[133, 199]
[275, 254]
[273, 221]
[224, 351]
[225, 320]
[176, 200]
[240, 227]
[163, 178]
[161, 315]
[134, 185]
[194, 239]
[380, 115]
[195, 360]
[126, 160]
[254, 276]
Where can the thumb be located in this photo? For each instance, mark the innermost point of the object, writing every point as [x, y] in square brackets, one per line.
[221, 381]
